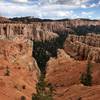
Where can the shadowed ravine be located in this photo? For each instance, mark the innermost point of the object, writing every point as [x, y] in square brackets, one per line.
[42, 51]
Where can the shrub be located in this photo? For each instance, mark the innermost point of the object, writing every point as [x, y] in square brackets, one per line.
[24, 87]
[7, 71]
[86, 78]
[42, 94]
[80, 98]
[23, 98]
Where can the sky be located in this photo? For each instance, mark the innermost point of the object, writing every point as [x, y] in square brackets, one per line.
[51, 9]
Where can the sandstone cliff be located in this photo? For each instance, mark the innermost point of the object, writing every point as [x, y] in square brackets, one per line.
[63, 71]
[4, 20]
[90, 39]
[18, 70]
[78, 26]
[30, 31]
[66, 74]
[83, 47]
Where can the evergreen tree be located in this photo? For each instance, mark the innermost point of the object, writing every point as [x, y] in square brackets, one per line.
[86, 78]
[42, 94]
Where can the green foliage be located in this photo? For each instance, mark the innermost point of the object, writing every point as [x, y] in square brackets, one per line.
[41, 97]
[83, 30]
[42, 93]
[40, 54]
[43, 50]
[86, 78]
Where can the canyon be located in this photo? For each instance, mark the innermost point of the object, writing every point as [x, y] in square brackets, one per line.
[59, 49]
[84, 47]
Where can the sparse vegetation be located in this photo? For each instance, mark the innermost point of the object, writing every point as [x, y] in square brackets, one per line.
[7, 71]
[24, 87]
[86, 78]
[43, 91]
[23, 98]
[83, 30]
[42, 51]
[80, 98]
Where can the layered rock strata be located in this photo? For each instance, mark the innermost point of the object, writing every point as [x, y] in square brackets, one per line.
[83, 47]
[30, 31]
[90, 39]
[49, 27]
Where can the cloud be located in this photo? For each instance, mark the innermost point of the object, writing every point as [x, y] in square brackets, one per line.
[87, 14]
[12, 9]
[20, 1]
[59, 14]
[53, 12]
[65, 2]
[99, 2]
[70, 4]
[53, 9]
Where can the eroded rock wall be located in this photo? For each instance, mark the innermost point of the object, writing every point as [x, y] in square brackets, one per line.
[90, 39]
[29, 31]
[83, 47]
[64, 74]
[19, 71]
[35, 30]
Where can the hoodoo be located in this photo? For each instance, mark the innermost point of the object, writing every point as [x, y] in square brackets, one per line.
[49, 59]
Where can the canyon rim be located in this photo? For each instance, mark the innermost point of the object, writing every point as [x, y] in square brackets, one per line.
[54, 55]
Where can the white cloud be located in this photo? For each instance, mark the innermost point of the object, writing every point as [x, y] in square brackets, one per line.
[99, 2]
[84, 6]
[59, 14]
[93, 5]
[12, 9]
[66, 2]
[87, 14]
[20, 1]
[54, 9]
[53, 12]
[70, 4]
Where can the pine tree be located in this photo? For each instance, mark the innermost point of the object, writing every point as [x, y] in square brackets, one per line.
[42, 94]
[86, 78]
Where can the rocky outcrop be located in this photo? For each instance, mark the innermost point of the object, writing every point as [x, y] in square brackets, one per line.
[78, 26]
[30, 31]
[64, 74]
[4, 20]
[90, 39]
[80, 47]
[61, 67]
[78, 92]
[18, 70]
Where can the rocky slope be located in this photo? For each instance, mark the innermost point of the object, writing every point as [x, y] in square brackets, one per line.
[83, 47]
[4, 20]
[70, 64]
[18, 70]
[20, 39]
[66, 74]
